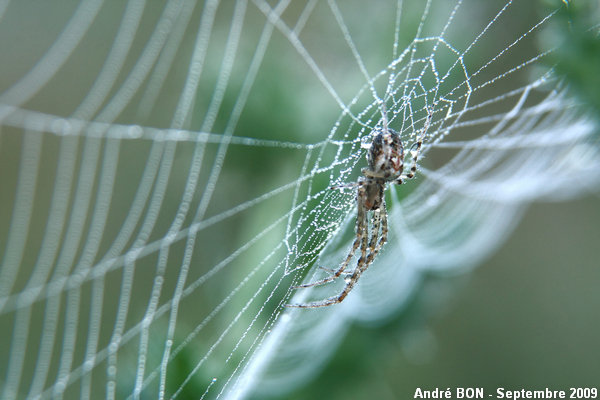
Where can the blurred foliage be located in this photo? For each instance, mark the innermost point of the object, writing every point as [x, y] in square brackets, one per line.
[577, 57]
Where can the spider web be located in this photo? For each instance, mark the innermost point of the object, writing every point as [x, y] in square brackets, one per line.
[166, 170]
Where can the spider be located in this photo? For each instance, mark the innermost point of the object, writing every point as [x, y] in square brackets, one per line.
[385, 160]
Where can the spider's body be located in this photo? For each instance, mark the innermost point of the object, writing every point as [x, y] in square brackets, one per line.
[385, 160]
[386, 154]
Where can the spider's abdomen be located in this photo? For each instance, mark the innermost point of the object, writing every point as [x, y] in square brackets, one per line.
[386, 155]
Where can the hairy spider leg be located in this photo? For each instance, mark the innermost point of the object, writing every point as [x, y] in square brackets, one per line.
[338, 298]
[415, 153]
[332, 271]
[384, 228]
[363, 246]
[379, 221]
[379, 218]
[340, 271]
[346, 185]
[361, 222]
[376, 226]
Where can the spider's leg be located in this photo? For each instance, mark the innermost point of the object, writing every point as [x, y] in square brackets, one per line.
[316, 304]
[360, 267]
[417, 150]
[379, 219]
[384, 228]
[361, 219]
[333, 271]
[345, 185]
[338, 298]
[374, 235]
[363, 239]
[379, 222]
